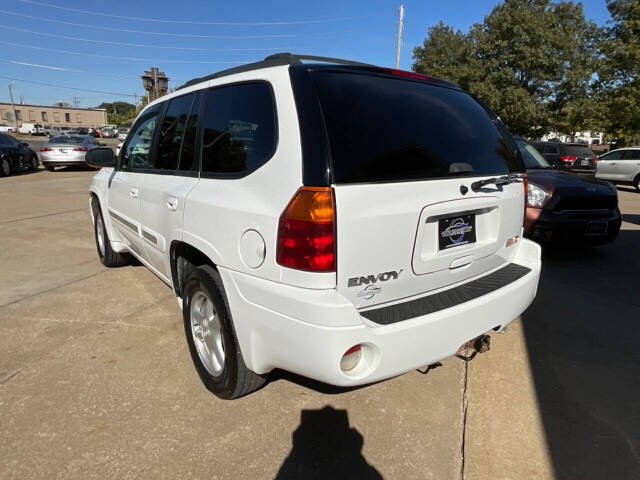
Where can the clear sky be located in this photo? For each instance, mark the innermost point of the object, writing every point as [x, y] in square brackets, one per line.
[33, 31]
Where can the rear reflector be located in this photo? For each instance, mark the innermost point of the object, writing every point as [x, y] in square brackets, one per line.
[45, 149]
[81, 149]
[568, 158]
[306, 231]
[351, 358]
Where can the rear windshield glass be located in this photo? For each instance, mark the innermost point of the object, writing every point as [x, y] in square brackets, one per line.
[387, 129]
[576, 150]
[67, 139]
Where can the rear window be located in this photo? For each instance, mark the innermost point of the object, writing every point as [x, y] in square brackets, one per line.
[387, 129]
[576, 150]
[67, 140]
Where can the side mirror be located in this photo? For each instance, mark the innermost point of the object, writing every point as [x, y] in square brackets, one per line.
[101, 157]
[25, 144]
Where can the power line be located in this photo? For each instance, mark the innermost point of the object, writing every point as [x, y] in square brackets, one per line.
[65, 69]
[189, 22]
[68, 87]
[182, 35]
[141, 45]
[114, 57]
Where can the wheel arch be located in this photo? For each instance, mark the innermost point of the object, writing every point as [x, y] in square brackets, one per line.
[183, 258]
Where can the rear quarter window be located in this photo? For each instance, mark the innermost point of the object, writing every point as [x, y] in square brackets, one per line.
[240, 128]
[383, 129]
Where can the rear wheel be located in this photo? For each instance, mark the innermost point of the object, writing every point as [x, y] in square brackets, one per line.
[211, 337]
[34, 163]
[107, 256]
[5, 168]
[636, 183]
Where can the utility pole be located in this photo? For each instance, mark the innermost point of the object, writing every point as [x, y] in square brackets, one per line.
[399, 38]
[13, 106]
[76, 101]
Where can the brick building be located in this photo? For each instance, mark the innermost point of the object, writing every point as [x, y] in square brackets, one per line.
[46, 115]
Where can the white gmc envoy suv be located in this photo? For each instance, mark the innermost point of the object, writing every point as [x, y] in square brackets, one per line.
[338, 220]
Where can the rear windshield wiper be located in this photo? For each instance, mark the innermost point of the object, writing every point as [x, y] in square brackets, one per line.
[498, 181]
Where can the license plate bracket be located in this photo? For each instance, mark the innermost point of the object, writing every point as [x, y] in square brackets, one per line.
[596, 229]
[456, 231]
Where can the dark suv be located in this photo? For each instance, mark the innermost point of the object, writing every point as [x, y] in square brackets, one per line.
[568, 156]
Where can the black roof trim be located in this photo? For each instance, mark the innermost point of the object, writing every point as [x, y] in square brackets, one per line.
[275, 60]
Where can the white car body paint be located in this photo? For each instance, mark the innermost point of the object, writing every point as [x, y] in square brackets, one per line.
[303, 321]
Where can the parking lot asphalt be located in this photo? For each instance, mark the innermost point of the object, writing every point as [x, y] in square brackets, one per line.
[96, 379]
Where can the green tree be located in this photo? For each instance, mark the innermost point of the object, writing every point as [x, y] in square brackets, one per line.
[532, 61]
[619, 71]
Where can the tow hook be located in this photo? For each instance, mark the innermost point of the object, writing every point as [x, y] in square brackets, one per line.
[478, 345]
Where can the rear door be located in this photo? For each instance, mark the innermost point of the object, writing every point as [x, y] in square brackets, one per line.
[125, 186]
[607, 166]
[405, 156]
[169, 181]
[629, 166]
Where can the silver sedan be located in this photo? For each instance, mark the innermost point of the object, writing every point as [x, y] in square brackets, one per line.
[67, 150]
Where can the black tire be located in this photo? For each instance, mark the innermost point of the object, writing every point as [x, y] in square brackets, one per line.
[107, 256]
[235, 379]
[636, 183]
[5, 167]
[34, 163]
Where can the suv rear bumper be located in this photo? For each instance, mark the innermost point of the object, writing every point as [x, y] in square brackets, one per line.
[307, 331]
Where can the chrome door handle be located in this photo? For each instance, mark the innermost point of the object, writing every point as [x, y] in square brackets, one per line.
[134, 192]
[172, 204]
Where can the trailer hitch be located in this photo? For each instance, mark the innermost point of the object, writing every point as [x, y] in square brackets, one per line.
[478, 345]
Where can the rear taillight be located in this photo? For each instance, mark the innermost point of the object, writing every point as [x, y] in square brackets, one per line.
[306, 231]
[45, 149]
[595, 159]
[80, 149]
[568, 158]
[525, 183]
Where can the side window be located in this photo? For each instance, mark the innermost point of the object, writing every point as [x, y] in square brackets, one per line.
[136, 152]
[239, 128]
[188, 159]
[613, 155]
[632, 155]
[172, 133]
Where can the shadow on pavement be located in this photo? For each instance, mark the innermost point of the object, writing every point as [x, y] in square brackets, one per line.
[325, 447]
[631, 218]
[583, 339]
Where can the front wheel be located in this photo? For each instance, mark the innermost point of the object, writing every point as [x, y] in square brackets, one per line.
[211, 337]
[5, 168]
[637, 184]
[107, 256]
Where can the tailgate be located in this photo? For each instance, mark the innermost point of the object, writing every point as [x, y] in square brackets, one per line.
[403, 239]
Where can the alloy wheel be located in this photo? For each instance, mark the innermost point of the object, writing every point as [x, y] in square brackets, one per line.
[206, 330]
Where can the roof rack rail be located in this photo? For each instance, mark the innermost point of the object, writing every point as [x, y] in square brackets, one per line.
[275, 60]
[295, 58]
